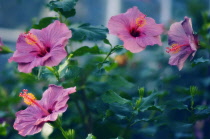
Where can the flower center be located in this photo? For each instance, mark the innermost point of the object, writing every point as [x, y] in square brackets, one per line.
[175, 48]
[141, 21]
[134, 32]
[32, 40]
[30, 99]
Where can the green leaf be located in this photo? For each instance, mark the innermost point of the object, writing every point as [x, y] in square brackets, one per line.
[90, 136]
[65, 64]
[106, 41]
[117, 81]
[148, 102]
[199, 61]
[85, 49]
[65, 5]
[5, 50]
[69, 13]
[112, 97]
[44, 22]
[86, 31]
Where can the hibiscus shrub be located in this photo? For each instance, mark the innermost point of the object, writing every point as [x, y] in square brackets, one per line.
[125, 91]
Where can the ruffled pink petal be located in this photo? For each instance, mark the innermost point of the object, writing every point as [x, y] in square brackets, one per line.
[151, 28]
[118, 25]
[176, 35]
[22, 57]
[57, 54]
[132, 14]
[132, 45]
[26, 119]
[179, 58]
[56, 34]
[23, 47]
[187, 26]
[1, 42]
[148, 40]
[37, 61]
[55, 97]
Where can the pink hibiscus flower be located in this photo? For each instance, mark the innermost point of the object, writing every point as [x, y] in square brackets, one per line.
[182, 42]
[135, 30]
[1, 44]
[31, 120]
[41, 47]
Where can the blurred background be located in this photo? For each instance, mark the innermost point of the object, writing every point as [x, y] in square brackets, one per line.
[147, 69]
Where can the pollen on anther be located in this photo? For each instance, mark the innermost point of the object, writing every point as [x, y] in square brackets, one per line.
[141, 21]
[31, 39]
[28, 98]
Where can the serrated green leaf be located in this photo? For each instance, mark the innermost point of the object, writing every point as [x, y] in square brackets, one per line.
[148, 102]
[85, 49]
[65, 5]
[90, 136]
[111, 97]
[86, 31]
[199, 61]
[5, 50]
[44, 22]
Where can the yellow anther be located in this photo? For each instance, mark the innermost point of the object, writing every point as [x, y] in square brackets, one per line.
[141, 21]
[31, 39]
[28, 98]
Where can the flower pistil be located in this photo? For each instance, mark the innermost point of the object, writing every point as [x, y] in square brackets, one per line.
[30, 99]
[175, 48]
[141, 21]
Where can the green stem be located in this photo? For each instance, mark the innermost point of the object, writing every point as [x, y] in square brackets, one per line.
[58, 123]
[39, 73]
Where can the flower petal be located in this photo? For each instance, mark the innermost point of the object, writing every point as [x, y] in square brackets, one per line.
[57, 54]
[151, 28]
[132, 45]
[118, 25]
[179, 58]
[53, 35]
[132, 14]
[26, 119]
[176, 35]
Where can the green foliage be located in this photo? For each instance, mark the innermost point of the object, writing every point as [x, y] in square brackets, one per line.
[85, 49]
[65, 5]
[44, 22]
[89, 32]
[200, 61]
[90, 136]
[5, 50]
[112, 97]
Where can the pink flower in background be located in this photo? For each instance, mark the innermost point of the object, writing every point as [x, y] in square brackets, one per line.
[135, 30]
[1, 44]
[182, 42]
[31, 120]
[44, 47]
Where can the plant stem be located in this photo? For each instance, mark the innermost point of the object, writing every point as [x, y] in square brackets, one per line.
[58, 123]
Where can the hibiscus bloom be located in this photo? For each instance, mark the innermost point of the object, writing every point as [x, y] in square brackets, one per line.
[44, 47]
[182, 42]
[1, 44]
[135, 30]
[31, 120]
